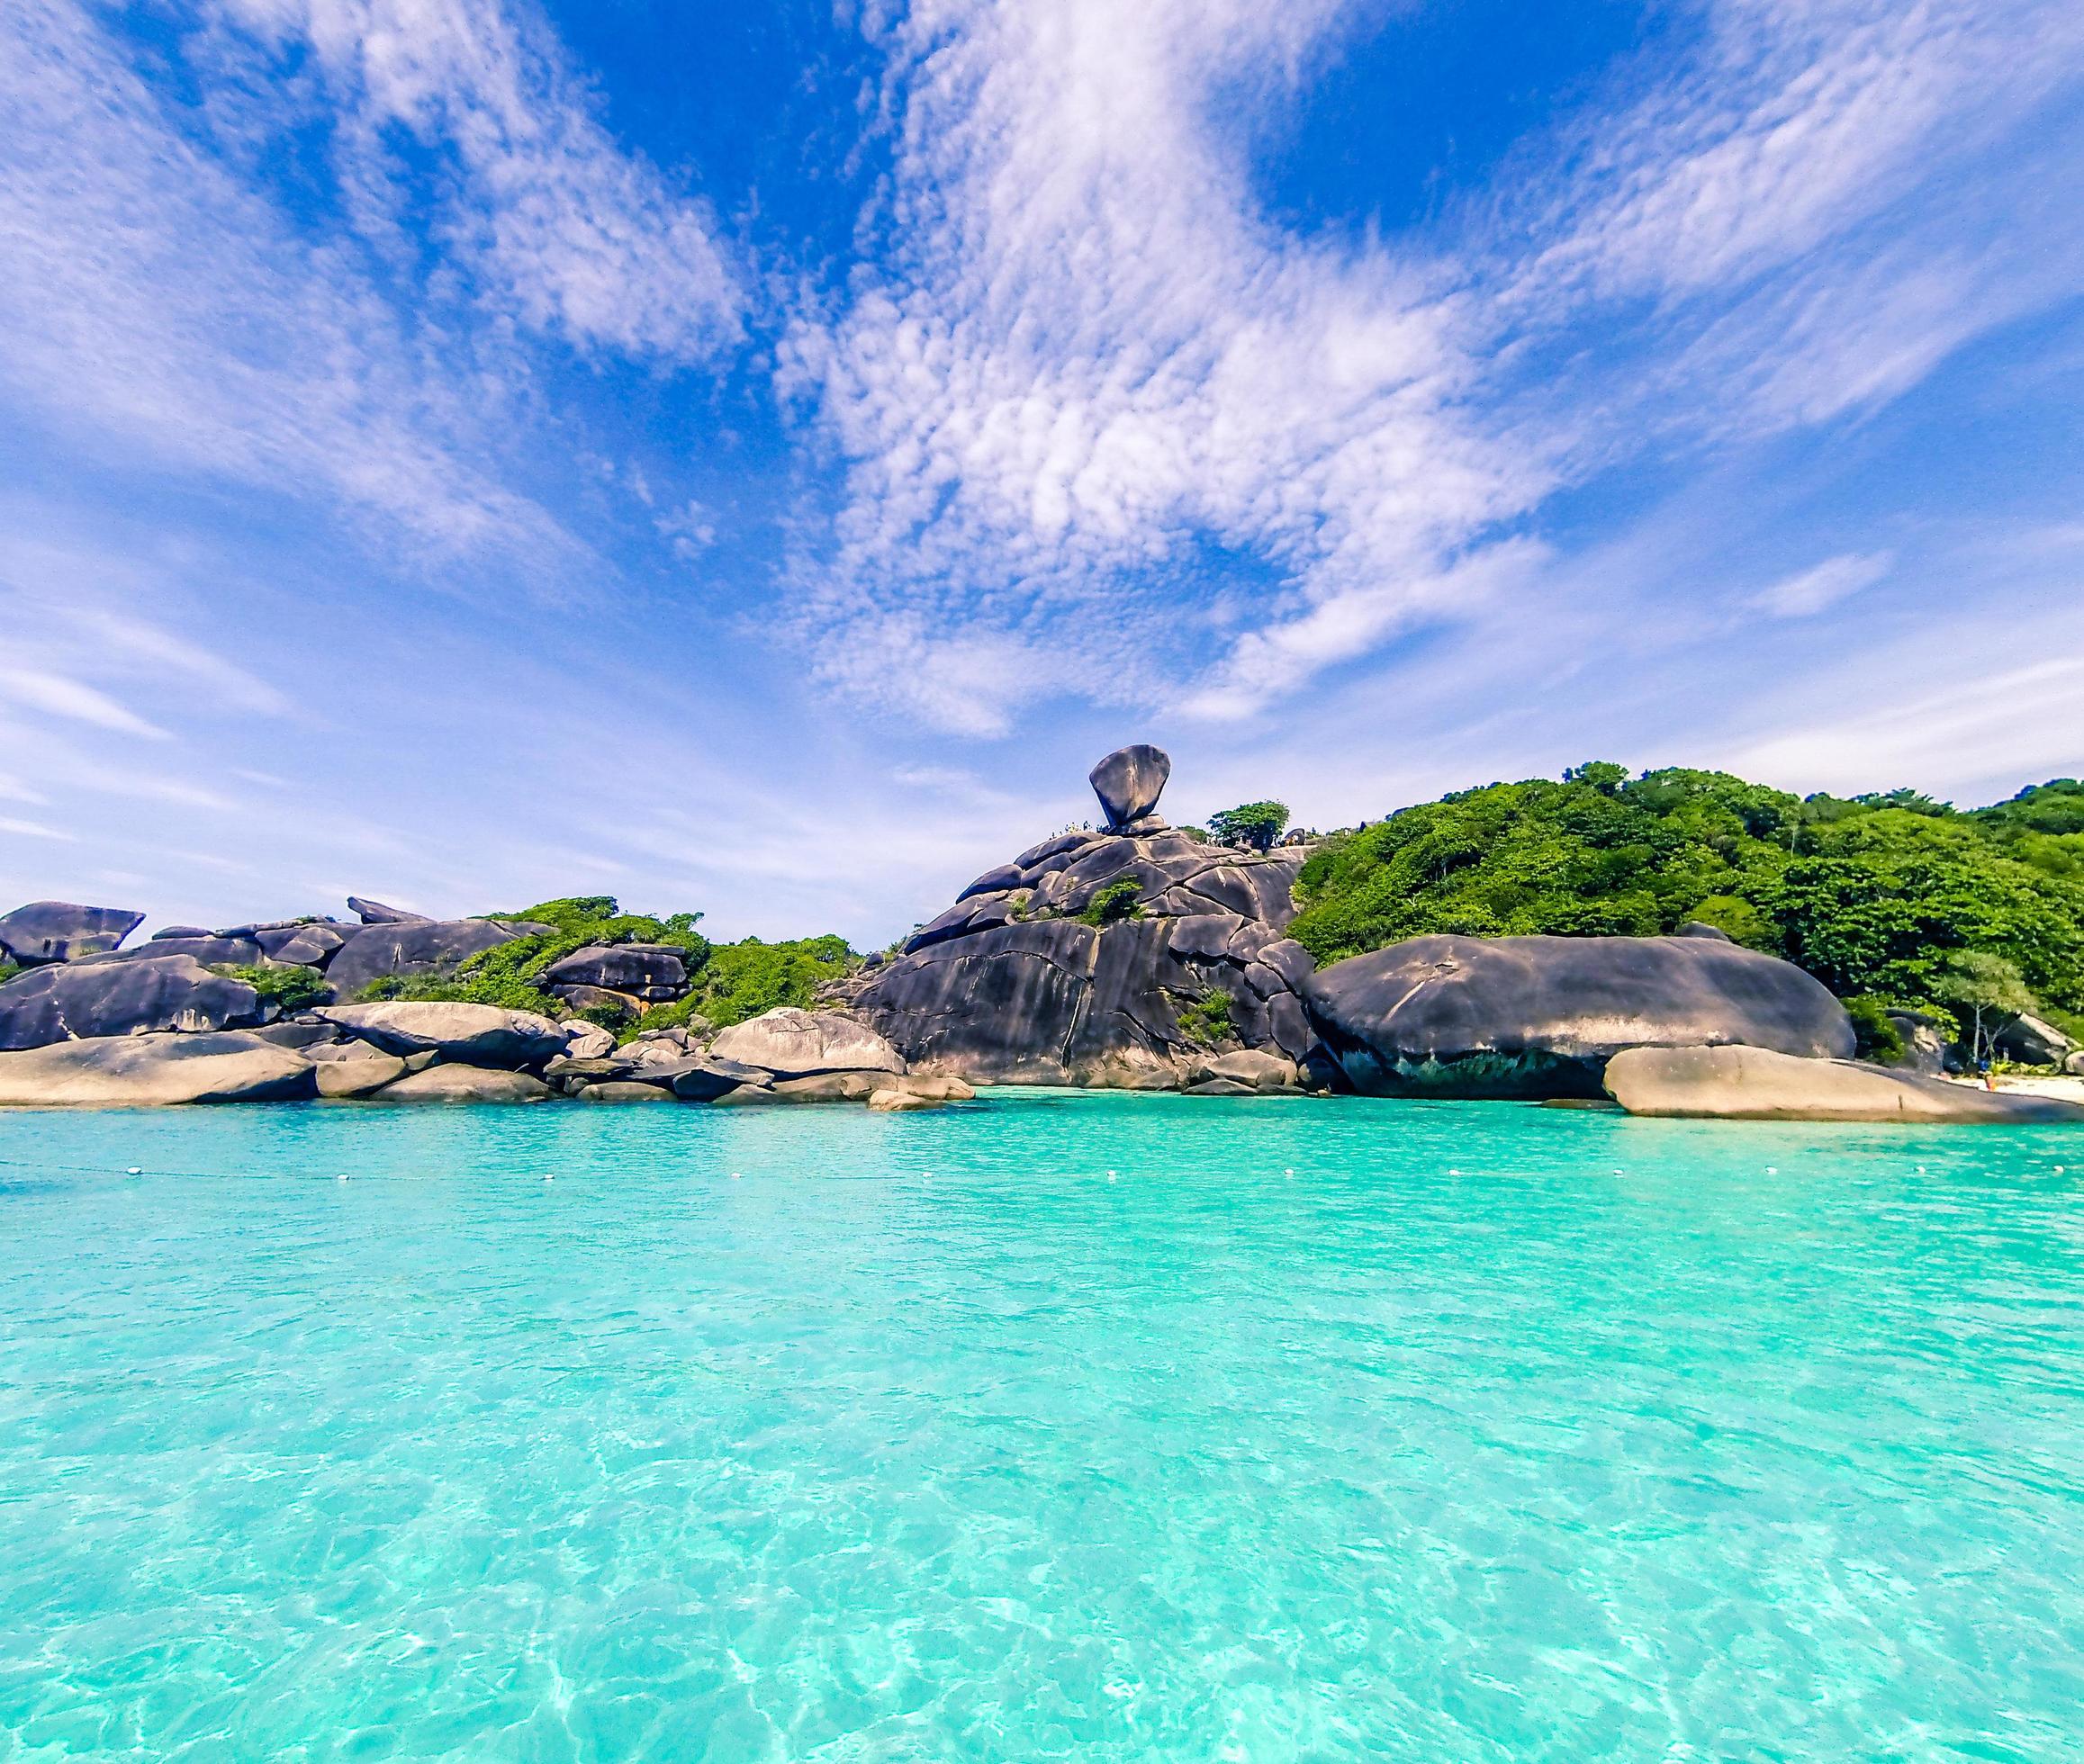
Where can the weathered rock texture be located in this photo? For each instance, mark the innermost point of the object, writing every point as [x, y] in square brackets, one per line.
[474, 1034]
[154, 1071]
[85, 999]
[797, 1044]
[1753, 1083]
[649, 972]
[464, 1083]
[1010, 986]
[1541, 1016]
[47, 931]
[1128, 782]
[417, 946]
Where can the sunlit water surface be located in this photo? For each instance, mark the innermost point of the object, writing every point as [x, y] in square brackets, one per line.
[1102, 1426]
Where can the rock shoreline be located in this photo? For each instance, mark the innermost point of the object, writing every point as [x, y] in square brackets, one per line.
[1136, 956]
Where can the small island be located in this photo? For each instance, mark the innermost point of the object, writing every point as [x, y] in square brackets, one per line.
[1679, 942]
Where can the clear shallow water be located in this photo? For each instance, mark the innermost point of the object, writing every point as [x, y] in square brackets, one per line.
[1491, 1433]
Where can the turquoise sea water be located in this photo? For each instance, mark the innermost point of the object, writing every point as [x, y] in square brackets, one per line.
[1094, 1426]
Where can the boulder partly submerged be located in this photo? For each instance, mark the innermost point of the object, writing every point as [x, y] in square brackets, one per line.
[52, 930]
[154, 1071]
[464, 1083]
[90, 1000]
[1541, 1016]
[1756, 1083]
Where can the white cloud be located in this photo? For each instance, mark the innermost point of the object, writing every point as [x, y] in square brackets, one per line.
[578, 235]
[1087, 387]
[157, 302]
[56, 696]
[1810, 591]
[33, 830]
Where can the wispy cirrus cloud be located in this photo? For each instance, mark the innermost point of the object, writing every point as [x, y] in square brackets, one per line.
[559, 222]
[163, 302]
[1089, 386]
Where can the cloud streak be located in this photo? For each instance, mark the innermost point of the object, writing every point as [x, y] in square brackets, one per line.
[1088, 388]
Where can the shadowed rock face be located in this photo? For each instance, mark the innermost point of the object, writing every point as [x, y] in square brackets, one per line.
[417, 946]
[90, 1000]
[47, 931]
[1009, 987]
[1129, 782]
[1541, 1016]
[648, 971]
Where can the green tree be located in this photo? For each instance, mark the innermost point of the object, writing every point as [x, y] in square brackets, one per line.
[1988, 995]
[1114, 902]
[1254, 825]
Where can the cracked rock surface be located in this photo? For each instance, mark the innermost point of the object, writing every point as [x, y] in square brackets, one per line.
[1012, 985]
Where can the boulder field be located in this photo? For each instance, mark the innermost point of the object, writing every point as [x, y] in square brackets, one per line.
[412, 1051]
[1138, 955]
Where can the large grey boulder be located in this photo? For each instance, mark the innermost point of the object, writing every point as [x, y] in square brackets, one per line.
[1541, 1016]
[310, 945]
[648, 971]
[705, 1079]
[472, 1034]
[2033, 1042]
[464, 1083]
[409, 948]
[210, 950]
[90, 1000]
[154, 1071]
[1754, 1083]
[48, 930]
[795, 1044]
[1128, 781]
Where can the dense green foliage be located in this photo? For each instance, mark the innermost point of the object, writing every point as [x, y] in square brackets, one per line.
[1208, 1022]
[292, 988]
[1114, 902]
[8, 970]
[741, 980]
[1871, 895]
[727, 983]
[1254, 825]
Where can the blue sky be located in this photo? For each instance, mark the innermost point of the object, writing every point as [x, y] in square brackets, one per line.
[754, 458]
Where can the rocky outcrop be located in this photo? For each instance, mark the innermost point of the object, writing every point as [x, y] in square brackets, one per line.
[472, 1034]
[1754, 1083]
[55, 930]
[312, 943]
[1541, 1016]
[211, 949]
[1108, 958]
[407, 948]
[154, 1071]
[88, 1000]
[375, 913]
[797, 1044]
